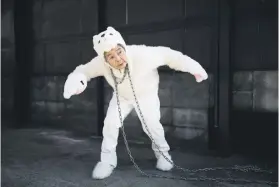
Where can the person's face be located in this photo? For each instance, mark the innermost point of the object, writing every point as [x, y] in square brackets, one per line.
[116, 57]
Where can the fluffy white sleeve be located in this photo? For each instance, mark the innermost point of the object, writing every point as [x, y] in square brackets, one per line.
[92, 69]
[178, 61]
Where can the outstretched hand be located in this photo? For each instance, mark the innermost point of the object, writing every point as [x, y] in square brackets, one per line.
[74, 85]
[200, 77]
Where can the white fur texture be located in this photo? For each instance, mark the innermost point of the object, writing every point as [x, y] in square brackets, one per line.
[102, 170]
[75, 84]
[163, 164]
[106, 40]
[143, 63]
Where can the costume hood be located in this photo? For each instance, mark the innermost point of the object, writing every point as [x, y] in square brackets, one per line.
[107, 40]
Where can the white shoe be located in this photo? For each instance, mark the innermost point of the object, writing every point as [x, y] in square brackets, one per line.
[163, 164]
[102, 170]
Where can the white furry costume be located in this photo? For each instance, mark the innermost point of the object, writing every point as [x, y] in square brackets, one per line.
[143, 62]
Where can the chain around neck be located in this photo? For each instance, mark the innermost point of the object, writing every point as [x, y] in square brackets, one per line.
[122, 79]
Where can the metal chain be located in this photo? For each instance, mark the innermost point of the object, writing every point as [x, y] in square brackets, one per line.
[122, 79]
[201, 178]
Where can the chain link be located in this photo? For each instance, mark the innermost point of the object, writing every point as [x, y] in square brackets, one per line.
[123, 78]
[190, 171]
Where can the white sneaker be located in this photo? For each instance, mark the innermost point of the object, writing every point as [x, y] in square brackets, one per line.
[163, 164]
[102, 170]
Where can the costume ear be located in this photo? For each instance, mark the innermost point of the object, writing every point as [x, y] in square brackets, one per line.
[95, 38]
[109, 28]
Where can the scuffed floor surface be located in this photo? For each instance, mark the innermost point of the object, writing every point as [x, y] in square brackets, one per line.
[52, 158]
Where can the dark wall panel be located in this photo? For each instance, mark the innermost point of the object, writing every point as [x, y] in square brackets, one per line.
[201, 8]
[248, 6]
[269, 43]
[255, 7]
[89, 16]
[62, 57]
[246, 43]
[86, 51]
[7, 58]
[255, 35]
[170, 38]
[199, 44]
[39, 59]
[64, 31]
[255, 66]
[133, 12]
[157, 10]
[7, 39]
[38, 18]
[61, 17]
[116, 12]
[7, 62]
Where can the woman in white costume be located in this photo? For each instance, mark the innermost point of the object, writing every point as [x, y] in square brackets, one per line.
[114, 60]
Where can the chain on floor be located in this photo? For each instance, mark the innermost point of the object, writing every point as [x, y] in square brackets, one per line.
[189, 171]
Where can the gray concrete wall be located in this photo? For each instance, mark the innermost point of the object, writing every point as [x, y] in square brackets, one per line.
[184, 108]
[49, 106]
[185, 103]
[256, 91]
[63, 34]
[61, 28]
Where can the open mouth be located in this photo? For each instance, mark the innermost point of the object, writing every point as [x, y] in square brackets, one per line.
[121, 64]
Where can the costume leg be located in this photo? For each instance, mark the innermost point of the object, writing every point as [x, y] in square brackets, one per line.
[110, 137]
[111, 129]
[150, 109]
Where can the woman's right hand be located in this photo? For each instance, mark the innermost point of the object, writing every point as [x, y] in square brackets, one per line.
[74, 85]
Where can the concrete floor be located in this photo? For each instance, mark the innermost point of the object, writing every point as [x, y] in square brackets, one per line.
[50, 158]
